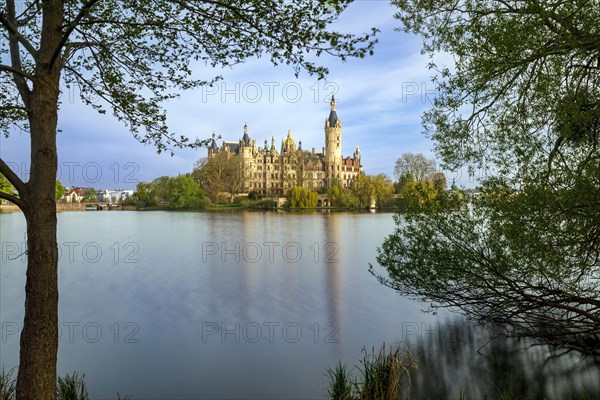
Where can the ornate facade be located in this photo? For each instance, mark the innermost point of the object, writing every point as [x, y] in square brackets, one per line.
[271, 172]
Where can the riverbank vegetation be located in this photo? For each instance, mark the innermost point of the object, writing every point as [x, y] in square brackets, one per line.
[174, 193]
[222, 174]
[68, 387]
[301, 197]
[200, 190]
[366, 191]
[383, 375]
[470, 367]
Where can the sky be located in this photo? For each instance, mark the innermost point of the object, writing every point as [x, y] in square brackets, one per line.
[380, 100]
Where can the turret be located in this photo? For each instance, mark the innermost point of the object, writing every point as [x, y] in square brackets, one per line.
[246, 137]
[333, 143]
[213, 145]
[246, 150]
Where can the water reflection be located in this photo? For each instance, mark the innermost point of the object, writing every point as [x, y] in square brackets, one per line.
[481, 361]
[328, 251]
[198, 293]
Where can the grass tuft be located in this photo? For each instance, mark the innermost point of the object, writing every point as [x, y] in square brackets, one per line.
[341, 385]
[7, 385]
[382, 375]
[72, 387]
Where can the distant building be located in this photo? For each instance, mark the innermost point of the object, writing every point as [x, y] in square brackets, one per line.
[73, 195]
[113, 196]
[272, 172]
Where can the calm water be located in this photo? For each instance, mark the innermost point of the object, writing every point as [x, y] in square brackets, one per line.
[245, 305]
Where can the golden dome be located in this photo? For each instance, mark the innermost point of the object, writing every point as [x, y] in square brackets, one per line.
[289, 143]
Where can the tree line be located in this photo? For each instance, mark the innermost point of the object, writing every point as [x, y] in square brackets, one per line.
[176, 193]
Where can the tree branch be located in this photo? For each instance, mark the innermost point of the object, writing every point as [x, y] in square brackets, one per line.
[13, 179]
[15, 200]
[24, 13]
[14, 70]
[9, 22]
[12, 107]
[71, 27]
[14, 39]
[76, 45]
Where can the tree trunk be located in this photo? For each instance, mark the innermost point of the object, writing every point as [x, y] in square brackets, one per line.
[39, 339]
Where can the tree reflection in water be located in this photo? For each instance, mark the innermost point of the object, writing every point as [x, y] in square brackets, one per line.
[480, 361]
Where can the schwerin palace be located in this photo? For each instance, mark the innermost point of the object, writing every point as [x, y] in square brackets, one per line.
[272, 172]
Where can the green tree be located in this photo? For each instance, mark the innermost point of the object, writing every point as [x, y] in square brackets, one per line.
[6, 186]
[59, 190]
[301, 197]
[185, 193]
[178, 193]
[383, 189]
[160, 190]
[362, 189]
[144, 195]
[403, 180]
[372, 190]
[89, 195]
[524, 251]
[342, 197]
[129, 57]
[419, 197]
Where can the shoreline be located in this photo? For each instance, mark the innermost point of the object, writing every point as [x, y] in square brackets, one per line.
[61, 207]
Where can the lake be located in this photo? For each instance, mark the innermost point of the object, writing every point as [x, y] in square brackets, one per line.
[248, 305]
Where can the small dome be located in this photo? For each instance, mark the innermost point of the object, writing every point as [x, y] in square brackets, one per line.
[289, 143]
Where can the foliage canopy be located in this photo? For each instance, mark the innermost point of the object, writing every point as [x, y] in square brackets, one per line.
[523, 102]
[301, 197]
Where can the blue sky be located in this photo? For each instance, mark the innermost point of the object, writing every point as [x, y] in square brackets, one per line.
[380, 102]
